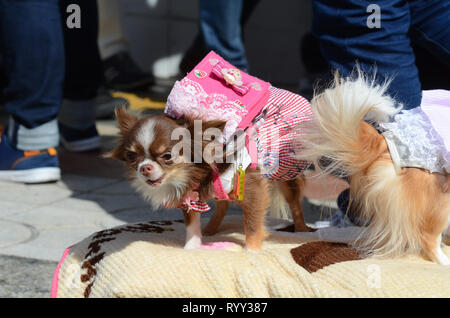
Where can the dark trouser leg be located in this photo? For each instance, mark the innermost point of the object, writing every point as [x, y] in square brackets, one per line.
[221, 29]
[31, 44]
[430, 22]
[84, 74]
[345, 39]
[83, 62]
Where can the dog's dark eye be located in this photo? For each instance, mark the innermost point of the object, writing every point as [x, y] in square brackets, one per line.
[167, 156]
[131, 156]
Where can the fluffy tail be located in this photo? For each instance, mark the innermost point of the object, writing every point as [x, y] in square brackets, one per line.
[334, 135]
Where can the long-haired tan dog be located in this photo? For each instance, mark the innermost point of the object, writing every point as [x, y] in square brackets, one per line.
[407, 211]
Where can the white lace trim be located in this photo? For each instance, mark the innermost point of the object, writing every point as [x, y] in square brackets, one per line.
[189, 98]
[413, 142]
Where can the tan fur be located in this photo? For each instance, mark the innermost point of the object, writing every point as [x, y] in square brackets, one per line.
[188, 217]
[293, 193]
[407, 211]
[254, 206]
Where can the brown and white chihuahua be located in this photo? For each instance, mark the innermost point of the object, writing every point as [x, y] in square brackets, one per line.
[164, 177]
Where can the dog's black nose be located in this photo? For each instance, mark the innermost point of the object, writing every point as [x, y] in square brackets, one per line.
[146, 170]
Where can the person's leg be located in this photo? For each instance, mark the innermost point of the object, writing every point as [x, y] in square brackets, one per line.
[221, 29]
[83, 62]
[33, 62]
[83, 78]
[430, 22]
[197, 50]
[346, 38]
[111, 39]
[32, 52]
[120, 70]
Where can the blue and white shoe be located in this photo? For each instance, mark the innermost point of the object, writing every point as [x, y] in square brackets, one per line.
[76, 140]
[27, 166]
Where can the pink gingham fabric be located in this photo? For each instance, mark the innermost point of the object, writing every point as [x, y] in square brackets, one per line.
[276, 133]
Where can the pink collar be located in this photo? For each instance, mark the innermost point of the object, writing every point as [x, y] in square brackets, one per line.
[192, 202]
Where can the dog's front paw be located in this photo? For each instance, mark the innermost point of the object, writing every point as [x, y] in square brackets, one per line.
[193, 243]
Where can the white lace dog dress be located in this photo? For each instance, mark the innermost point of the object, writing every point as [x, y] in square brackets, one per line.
[420, 137]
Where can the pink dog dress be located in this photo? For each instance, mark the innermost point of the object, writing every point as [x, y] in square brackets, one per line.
[216, 90]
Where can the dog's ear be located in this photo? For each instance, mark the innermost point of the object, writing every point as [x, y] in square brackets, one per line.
[117, 153]
[125, 120]
[189, 123]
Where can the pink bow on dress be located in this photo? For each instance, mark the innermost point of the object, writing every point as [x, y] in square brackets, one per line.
[232, 76]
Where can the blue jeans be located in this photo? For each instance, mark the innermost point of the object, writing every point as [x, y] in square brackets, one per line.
[341, 26]
[220, 24]
[32, 49]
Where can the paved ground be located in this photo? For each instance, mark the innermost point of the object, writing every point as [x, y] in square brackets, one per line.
[37, 222]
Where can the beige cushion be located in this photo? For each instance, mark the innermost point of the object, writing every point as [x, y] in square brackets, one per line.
[148, 260]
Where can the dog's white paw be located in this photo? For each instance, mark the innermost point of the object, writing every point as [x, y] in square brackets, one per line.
[443, 260]
[441, 257]
[193, 242]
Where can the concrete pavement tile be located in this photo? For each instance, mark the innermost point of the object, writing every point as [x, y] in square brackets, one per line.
[97, 201]
[13, 233]
[50, 217]
[50, 244]
[107, 127]
[10, 208]
[77, 203]
[139, 214]
[77, 183]
[121, 187]
[144, 214]
[34, 194]
[90, 164]
[24, 277]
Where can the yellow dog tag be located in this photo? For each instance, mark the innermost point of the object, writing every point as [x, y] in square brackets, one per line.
[239, 183]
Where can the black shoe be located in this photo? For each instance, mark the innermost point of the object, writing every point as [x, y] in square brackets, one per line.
[122, 73]
[105, 104]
